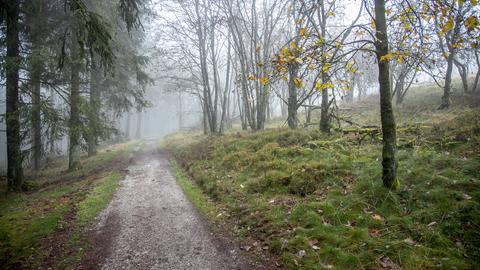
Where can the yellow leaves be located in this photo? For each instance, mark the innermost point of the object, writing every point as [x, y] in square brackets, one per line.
[264, 80]
[399, 56]
[299, 60]
[471, 23]
[387, 57]
[322, 86]
[350, 67]
[448, 25]
[474, 2]
[326, 67]
[320, 41]
[302, 32]
[346, 87]
[298, 82]
[293, 46]
[400, 59]
[457, 45]
[330, 14]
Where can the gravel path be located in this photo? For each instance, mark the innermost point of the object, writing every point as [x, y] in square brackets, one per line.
[150, 224]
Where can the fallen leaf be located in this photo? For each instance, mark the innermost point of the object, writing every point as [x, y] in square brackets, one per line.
[301, 253]
[313, 245]
[386, 262]
[409, 241]
[377, 217]
[431, 224]
[373, 232]
[367, 211]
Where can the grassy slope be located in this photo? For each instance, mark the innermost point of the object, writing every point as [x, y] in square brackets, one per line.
[27, 218]
[317, 201]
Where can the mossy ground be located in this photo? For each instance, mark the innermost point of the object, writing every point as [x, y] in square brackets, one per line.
[317, 201]
[28, 218]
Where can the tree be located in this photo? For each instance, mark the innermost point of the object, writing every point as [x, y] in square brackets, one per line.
[389, 152]
[14, 153]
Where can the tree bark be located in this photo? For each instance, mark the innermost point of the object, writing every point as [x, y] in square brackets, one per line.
[447, 89]
[324, 112]
[463, 71]
[127, 127]
[389, 153]
[292, 97]
[36, 71]
[36, 114]
[94, 111]
[14, 152]
[74, 121]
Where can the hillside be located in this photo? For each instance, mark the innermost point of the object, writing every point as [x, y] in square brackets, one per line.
[316, 201]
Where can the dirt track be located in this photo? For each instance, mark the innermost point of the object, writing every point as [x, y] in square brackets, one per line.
[150, 224]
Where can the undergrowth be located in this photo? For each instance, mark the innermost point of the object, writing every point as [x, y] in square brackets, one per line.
[27, 218]
[317, 201]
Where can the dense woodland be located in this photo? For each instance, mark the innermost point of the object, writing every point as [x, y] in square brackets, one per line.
[72, 68]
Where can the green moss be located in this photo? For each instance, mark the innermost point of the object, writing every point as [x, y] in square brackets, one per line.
[97, 199]
[27, 218]
[194, 193]
[289, 189]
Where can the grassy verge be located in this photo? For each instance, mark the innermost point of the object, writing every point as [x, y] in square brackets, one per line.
[317, 201]
[26, 219]
[195, 194]
[97, 199]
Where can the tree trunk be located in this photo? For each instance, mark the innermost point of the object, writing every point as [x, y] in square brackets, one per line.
[226, 92]
[324, 112]
[389, 159]
[399, 89]
[36, 71]
[477, 76]
[94, 111]
[36, 114]
[180, 111]
[463, 71]
[127, 126]
[138, 132]
[292, 97]
[74, 121]
[447, 89]
[14, 152]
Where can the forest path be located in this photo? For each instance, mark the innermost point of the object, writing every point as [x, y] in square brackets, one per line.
[150, 224]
